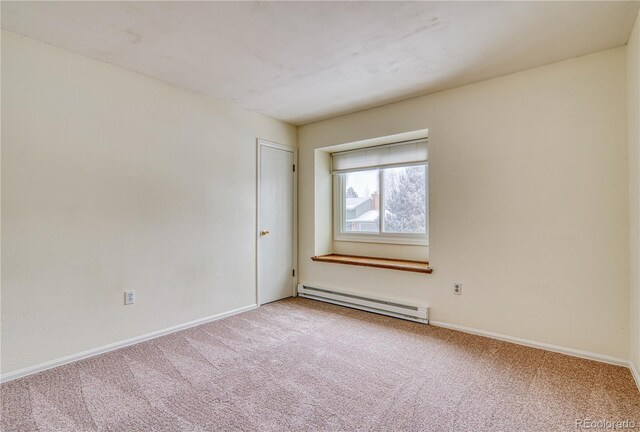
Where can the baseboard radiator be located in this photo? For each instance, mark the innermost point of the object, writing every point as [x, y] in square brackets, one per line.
[412, 312]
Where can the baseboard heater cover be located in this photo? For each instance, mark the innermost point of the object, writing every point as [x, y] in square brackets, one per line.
[411, 312]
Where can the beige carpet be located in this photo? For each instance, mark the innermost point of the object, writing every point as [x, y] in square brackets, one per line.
[299, 365]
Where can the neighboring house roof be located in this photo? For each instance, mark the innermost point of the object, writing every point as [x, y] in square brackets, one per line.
[370, 216]
[352, 203]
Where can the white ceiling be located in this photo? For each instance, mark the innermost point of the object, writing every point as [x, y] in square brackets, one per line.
[305, 61]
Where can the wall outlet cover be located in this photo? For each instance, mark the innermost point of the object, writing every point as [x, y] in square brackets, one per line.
[129, 297]
[457, 288]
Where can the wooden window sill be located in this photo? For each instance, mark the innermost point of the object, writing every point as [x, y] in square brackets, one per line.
[386, 263]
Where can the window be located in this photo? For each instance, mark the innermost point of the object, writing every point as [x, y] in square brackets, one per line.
[381, 194]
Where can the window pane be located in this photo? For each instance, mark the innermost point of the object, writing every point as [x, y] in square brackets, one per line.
[361, 206]
[405, 200]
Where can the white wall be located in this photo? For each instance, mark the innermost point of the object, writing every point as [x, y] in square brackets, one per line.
[113, 181]
[633, 124]
[529, 204]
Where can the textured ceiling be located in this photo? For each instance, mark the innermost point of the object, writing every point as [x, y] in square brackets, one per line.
[305, 61]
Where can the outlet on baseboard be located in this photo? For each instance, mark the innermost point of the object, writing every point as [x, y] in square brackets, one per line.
[129, 297]
[457, 288]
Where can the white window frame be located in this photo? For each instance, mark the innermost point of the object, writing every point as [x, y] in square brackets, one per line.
[382, 237]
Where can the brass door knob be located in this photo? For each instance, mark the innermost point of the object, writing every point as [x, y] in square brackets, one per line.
[264, 232]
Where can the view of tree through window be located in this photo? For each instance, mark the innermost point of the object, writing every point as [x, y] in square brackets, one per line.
[404, 199]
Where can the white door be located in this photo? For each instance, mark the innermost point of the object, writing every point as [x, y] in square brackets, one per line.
[275, 223]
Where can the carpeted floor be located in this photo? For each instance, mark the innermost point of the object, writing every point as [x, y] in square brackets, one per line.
[300, 365]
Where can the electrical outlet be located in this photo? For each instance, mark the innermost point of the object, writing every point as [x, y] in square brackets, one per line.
[129, 297]
[457, 288]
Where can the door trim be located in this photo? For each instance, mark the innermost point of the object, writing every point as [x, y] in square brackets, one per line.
[294, 279]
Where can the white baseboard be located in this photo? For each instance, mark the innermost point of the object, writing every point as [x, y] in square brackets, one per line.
[636, 375]
[534, 344]
[9, 376]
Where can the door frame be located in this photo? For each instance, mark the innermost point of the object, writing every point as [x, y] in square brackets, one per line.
[260, 143]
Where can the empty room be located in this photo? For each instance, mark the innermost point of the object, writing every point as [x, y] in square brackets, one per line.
[320, 216]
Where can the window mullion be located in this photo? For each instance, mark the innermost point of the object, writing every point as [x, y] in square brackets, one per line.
[380, 201]
[343, 208]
